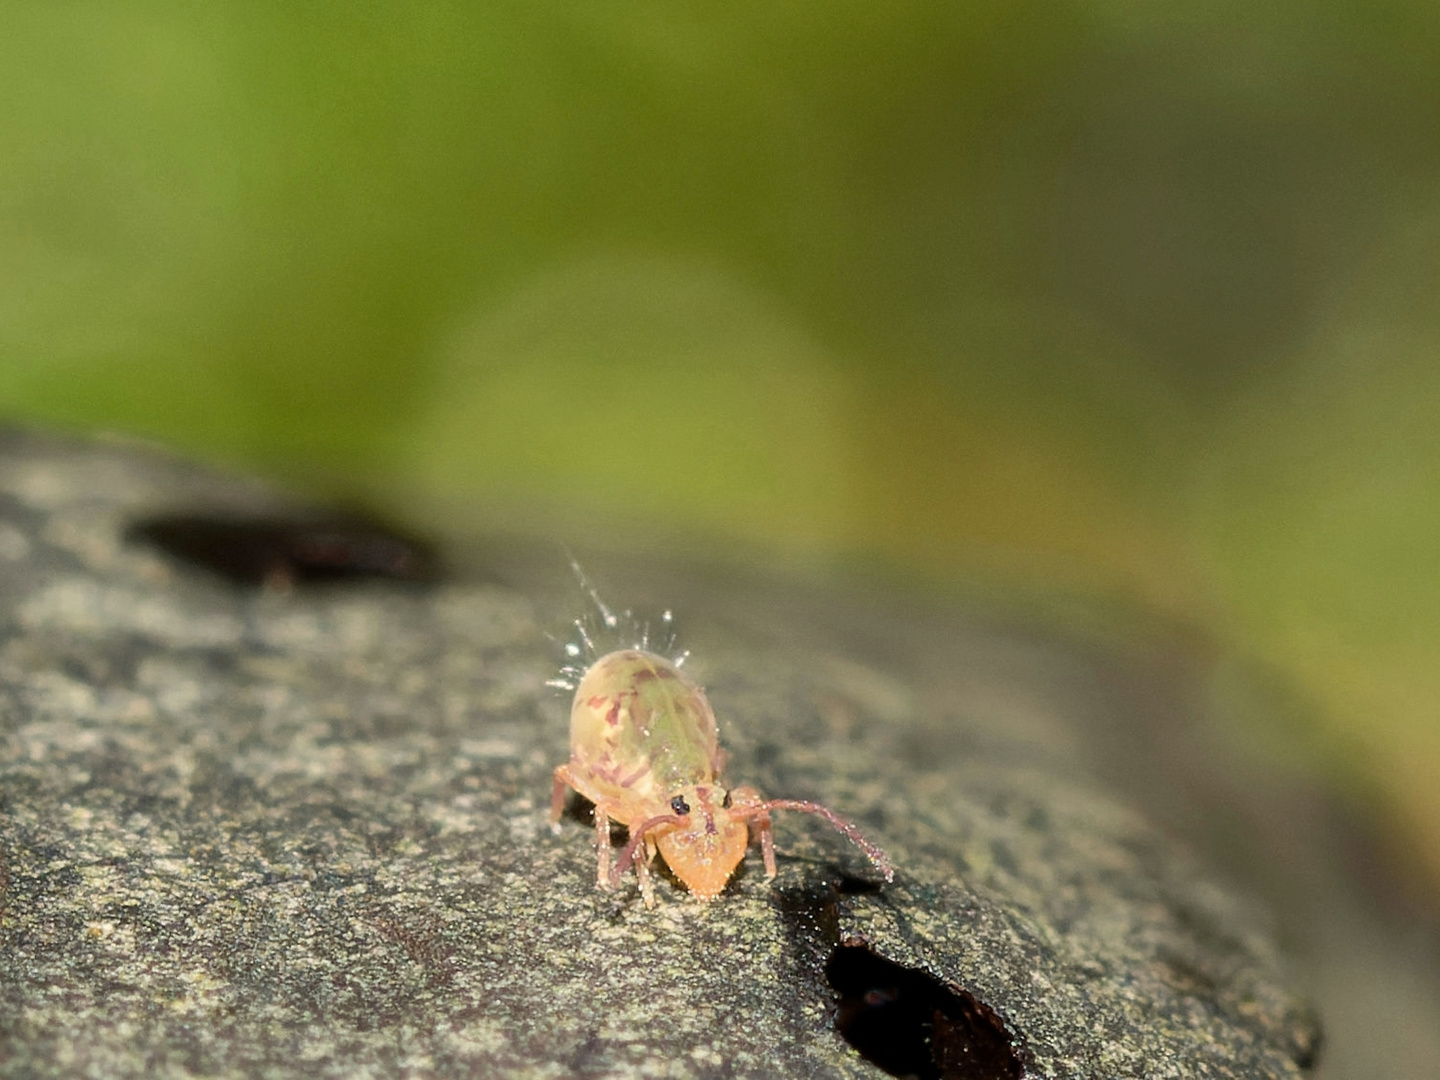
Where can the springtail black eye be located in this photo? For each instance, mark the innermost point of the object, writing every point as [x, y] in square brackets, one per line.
[679, 805]
[725, 802]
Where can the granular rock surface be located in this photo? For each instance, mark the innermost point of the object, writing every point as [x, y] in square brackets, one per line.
[302, 832]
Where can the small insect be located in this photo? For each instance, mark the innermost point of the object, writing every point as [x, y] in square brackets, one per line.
[644, 749]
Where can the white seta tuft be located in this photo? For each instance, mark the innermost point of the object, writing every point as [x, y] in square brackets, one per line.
[601, 631]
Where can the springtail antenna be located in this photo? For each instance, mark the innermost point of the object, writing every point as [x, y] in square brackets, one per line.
[637, 837]
[853, 834]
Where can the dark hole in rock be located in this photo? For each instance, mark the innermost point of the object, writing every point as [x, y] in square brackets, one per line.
[849, 885]
[282, 553]
[911, 1024]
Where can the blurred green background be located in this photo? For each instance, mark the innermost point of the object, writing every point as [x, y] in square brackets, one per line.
[1130, 306]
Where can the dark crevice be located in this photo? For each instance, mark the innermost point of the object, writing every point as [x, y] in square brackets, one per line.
[285, 552]
[911, 1024]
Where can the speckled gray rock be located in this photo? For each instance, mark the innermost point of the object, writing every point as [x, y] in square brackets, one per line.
[249, 832]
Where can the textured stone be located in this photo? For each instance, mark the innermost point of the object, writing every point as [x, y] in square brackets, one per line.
[302, 832]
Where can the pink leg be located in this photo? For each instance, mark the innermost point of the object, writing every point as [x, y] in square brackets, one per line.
[853, 834]
[642, 873]
[557, 796]
[639, 851]
[746, 798]
[767, 844]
